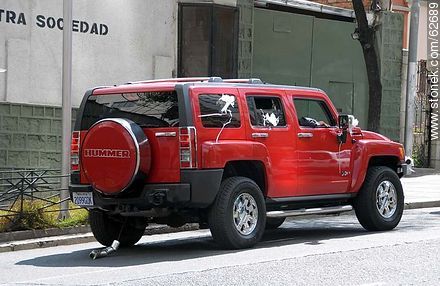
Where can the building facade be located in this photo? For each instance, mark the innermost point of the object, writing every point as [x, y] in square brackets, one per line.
[115, 41]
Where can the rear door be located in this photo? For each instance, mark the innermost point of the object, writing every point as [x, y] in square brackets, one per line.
[270, 124]
[218, 117]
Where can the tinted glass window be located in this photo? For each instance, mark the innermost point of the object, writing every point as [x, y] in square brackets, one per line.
[313, 113]
[147, 109]
[218, 110]
[266, 111]
[224, 42]
[195, 40]
[208, 37]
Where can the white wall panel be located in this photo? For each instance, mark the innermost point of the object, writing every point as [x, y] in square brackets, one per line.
[138, 30]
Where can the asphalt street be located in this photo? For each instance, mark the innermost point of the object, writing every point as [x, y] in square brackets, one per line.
[308, 251]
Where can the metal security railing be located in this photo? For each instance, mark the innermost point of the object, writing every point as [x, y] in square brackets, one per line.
[19, 188]
[422, 122]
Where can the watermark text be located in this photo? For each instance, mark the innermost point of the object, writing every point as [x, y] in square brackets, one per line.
[433, 64]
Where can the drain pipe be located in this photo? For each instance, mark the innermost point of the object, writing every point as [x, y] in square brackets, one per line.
[103, 252]
[411, 89]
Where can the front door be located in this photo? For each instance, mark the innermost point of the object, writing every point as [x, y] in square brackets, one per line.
[323, 163]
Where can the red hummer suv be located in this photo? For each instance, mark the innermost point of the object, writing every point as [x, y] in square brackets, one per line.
[237, 156]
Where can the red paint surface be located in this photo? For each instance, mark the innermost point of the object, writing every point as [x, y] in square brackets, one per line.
[294, 166]
[165, 164]
[108, 174]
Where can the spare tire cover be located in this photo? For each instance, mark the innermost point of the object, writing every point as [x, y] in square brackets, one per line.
[114, 152]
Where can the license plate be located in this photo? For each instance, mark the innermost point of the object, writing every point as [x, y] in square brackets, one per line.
[83, 199]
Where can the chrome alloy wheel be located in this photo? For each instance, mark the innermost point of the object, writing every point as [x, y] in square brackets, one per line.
[386, 199]
[245, 214]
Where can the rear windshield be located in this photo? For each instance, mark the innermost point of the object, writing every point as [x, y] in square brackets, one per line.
[147, 109]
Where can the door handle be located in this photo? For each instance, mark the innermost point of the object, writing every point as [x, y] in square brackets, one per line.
[260, 135]
[305, 135]
[166, 134]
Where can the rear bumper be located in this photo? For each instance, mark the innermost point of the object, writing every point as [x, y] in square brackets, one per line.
[159, 195]
[198, 189]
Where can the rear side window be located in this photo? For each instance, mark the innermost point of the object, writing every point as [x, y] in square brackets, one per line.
[147, 109]
[311, 111]
[219, 110]
[266, 111]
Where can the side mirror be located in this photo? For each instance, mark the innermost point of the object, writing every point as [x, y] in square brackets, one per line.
[343, 122]
[344, 125]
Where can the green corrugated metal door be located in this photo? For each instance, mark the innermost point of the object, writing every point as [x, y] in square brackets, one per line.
[282, 47]
[338, 67]
[305, 50]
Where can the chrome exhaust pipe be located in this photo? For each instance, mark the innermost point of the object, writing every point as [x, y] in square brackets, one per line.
[103, 252]
[312, 211]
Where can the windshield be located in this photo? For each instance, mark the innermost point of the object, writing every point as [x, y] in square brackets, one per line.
[147, 109]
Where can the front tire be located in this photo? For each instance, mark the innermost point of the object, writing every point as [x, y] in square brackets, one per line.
[238, 216]
[106, 228]
[380, 202]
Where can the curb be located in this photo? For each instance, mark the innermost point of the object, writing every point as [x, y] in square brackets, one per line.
[422, 205]
[42, 233]
[60, 240]
[46, 242]
[78, 235]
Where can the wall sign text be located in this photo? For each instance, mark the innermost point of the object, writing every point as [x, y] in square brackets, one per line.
[49, 22]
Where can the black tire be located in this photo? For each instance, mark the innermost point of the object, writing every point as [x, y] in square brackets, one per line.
[106, 228]
[220, 216]
[365, 204]
[274, 222]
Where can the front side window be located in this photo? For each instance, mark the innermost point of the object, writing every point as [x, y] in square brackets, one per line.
[313, 113]
[266, 111]
[147, 109]
[219, 110]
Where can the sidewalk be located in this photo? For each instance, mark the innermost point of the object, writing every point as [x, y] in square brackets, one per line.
[421, 189]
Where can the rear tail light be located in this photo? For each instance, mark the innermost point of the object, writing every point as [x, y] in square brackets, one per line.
[74, 151]
[188, 147]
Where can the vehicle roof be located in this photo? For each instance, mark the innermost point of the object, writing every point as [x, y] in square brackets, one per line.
[170, 84]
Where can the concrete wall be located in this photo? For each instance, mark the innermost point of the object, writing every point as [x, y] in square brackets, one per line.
[140, 44]
[404, 78]
[390, 38]
[422, 43]
[245, 37]
[134, 40]
[30, 136]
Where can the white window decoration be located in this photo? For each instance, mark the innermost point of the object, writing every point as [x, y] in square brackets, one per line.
[272, 119]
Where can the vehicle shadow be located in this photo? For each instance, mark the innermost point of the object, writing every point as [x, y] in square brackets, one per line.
[191, 248]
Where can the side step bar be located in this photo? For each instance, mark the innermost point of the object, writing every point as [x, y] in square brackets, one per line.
[312, 211]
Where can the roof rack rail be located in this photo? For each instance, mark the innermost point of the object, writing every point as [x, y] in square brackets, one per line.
[182, 79]
[255, 81]
[200, 79]
[215, 79]
[245, 80]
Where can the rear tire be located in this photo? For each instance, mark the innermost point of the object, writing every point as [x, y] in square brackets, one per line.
[380, 202]
[238, 215]
[274, 222]
[106, 228]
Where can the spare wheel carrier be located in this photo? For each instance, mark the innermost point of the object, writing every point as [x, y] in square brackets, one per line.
[115, 152]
